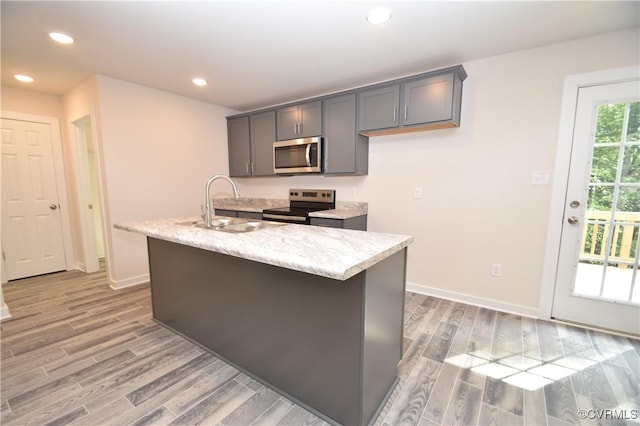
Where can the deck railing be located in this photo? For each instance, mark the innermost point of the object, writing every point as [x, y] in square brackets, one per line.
[624, 238]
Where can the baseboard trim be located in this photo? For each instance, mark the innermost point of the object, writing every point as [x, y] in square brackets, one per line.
[4, 312]
[473, 300]
[129, 282]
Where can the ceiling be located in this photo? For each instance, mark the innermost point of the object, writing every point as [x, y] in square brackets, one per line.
[262, 53]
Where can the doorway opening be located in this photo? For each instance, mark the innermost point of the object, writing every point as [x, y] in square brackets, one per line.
[89, 196]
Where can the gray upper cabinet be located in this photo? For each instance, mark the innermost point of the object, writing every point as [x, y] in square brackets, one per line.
[429, 101]
[346, 120]
[239, 146]
[345, 151]
[263, 134]
[300, 121]
[379, 108]
[250, 141]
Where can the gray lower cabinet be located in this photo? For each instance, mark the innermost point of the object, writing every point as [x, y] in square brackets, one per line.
[300, 121]
[250, 215]
[225, 212]
[358, 222]
[345, 151]
[239, 213]
[330, 346]
[250, 141]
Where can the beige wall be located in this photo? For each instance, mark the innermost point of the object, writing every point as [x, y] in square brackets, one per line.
[78, 103]
[157, 151]
[30, 102]
[479, 206]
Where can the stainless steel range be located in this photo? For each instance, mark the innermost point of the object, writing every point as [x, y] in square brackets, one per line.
[301, 203]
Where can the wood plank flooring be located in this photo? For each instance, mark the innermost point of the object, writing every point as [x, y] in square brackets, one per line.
[77, 352]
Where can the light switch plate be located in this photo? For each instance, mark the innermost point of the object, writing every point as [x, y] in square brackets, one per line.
[540, 177]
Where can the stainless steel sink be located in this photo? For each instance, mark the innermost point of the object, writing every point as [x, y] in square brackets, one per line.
[249, 226]
[231, 224]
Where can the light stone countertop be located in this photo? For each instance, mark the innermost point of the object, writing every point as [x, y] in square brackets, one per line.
[343, 210]
[249, 204]
[328, 252]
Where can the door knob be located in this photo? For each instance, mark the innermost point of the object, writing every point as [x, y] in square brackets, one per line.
[574, 204]
[53, 207]
[572, 220]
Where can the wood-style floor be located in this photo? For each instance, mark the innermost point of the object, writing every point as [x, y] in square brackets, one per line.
[77, 352]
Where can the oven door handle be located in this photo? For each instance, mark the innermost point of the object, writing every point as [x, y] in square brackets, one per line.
[308, 155]
[284, 217]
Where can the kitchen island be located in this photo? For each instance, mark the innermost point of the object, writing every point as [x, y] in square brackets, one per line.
[315, 313]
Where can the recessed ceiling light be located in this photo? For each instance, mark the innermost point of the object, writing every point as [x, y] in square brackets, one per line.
[199, 81]
[61, 38]
[23, 78]
[378, 15]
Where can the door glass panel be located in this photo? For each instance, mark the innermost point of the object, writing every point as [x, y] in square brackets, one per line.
[610, 123]
[608, 260]
[605, 164]
[600, 198]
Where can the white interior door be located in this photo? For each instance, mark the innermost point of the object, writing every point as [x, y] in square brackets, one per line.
[599, 252]
[32, 241]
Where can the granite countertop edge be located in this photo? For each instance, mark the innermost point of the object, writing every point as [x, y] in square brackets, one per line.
[329, 252]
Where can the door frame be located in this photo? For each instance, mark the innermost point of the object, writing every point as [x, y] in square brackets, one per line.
[58, 164]
[87, 234]
[572, 84]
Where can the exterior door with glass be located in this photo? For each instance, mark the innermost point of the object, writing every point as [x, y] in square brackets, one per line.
[596, 281]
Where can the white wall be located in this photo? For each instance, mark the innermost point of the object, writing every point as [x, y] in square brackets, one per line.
[158, 149]
[80, 102]
[479, 206]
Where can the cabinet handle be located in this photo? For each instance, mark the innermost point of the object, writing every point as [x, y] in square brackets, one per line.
[252, 167]
[295, 129]
[299, 128]
[405, 112]
[395, 114]
[247, 166]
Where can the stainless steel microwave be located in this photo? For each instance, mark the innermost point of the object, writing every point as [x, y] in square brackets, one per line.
[303, 155]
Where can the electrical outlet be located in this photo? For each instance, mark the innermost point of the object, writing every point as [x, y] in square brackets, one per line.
[417, 192]
[496, 270]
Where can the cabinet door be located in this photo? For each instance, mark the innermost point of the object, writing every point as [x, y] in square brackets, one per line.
[379, 108]
[310, 119]
[340, 137]
[428, 100]
[263, 134]
[287, 123]
[250, 215]
[239, 146]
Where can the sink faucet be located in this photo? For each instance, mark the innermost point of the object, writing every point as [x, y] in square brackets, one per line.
[207, 198]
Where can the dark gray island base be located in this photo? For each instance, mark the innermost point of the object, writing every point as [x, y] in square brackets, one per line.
[331, 346]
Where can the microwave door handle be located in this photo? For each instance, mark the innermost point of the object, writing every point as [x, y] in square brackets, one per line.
[308, 155]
